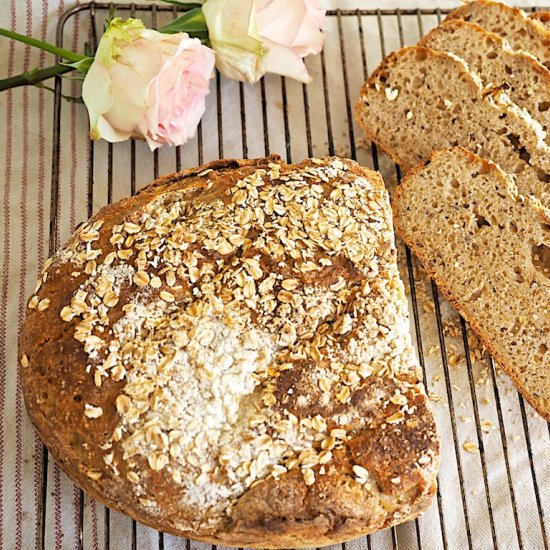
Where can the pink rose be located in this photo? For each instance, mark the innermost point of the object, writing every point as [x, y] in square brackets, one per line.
[290, 30]
[252, 37]
[147, 85]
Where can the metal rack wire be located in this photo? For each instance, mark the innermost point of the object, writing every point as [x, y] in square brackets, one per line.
[304, 121]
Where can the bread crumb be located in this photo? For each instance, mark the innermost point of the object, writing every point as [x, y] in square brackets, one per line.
[434, 397]
[486, 426]
[450, 328]
[455, 359]
[432, 350]
[428, 307]
[470, 447]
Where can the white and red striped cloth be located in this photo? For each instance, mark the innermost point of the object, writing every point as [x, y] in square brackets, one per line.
[26, 123]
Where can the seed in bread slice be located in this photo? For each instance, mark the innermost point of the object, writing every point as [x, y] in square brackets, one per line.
[521, 31]
[488, 249]
[524, 79]
[420, 100]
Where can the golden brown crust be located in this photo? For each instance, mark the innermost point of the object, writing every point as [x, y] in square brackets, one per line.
[470, 10]
[524, 79]
[73, 406]
[522, 32]
[442, 282]
[543, 17]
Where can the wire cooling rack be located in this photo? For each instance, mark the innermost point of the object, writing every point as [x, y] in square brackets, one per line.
[494, 497]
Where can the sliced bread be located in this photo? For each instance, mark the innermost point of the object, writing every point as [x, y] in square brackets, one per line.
[420, 100]
[543, 17]
[488, 249]
[521, 31]
[524, 79]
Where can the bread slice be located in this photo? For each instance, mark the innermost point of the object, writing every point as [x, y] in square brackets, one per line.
[543, 17]
[420, 100]
[524, 79]
[521, 31]
[488, 249]
[226, 356]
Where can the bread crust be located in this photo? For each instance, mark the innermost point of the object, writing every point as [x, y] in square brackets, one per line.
[418, 120]
[530, 89]
[401, 458]
[442, 282]
[386, 67]
[543, 17]
[533, 36]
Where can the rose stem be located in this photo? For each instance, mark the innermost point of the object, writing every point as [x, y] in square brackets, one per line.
[34, 76]
[65, 54]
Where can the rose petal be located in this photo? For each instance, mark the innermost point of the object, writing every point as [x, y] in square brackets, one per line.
[109, 133]
[97, 94]
[282, 60]
[291, 30]
[176, 100]
[234, 36]
[280, 20]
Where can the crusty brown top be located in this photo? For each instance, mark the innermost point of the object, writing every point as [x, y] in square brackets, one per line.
[226, 356]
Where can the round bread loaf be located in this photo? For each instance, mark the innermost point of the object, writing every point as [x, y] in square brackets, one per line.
[226, 356]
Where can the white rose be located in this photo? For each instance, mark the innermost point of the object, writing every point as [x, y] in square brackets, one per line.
[252, 37]
[147, 85]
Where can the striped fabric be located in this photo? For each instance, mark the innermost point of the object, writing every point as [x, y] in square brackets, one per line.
[493, 498]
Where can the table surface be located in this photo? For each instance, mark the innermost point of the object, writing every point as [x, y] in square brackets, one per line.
[25, 168]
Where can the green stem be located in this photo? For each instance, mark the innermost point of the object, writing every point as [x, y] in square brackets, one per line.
[65, 54]
[191, 22]
[182, 5]
[69, 98]
[34, 76]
